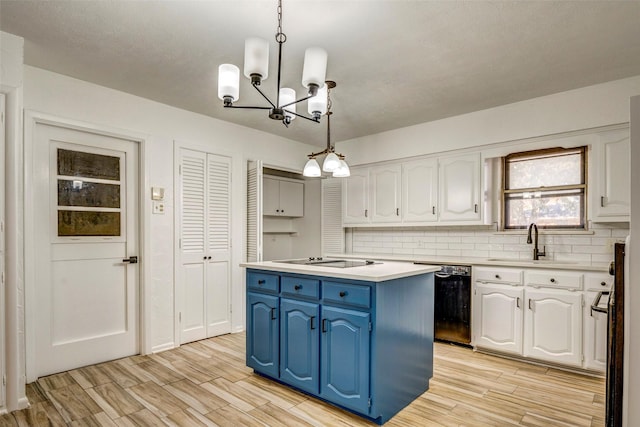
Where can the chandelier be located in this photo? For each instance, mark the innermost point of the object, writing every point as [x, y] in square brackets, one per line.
[256, 69]
[333, 163]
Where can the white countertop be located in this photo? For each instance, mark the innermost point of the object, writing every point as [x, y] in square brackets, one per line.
[386, 270]
[476, 261]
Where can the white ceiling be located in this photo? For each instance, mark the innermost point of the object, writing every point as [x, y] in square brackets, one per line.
[396, 63]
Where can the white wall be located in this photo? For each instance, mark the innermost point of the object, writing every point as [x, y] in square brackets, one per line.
[77, 100]
[632, 303]
[589, 107]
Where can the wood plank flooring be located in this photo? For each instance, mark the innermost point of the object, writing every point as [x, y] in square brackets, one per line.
[206, 383]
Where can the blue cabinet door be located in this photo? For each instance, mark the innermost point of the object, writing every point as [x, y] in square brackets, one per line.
[262, 333]
[299, 344]
[345, 359]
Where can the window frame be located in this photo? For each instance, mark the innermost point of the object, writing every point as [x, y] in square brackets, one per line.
[582, 150]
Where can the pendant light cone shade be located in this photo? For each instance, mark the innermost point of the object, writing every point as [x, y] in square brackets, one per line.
[343, 171]
[315, 67]
[318, 103]
[312, 169]
[331, 162]
[228, 81]
[288, 95]
[256, 57]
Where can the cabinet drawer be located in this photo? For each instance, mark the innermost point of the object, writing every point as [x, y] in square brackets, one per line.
[263, 282]
[553, 279]
[346, 294]
[498, 275]
[597, 282]
[297, 286]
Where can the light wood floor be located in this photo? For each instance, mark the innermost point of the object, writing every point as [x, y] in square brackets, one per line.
[207, 383]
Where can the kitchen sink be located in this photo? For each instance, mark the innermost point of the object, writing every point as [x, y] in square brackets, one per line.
[539, 261]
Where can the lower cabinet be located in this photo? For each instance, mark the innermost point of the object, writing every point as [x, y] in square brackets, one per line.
[553, 326]
[344, 341]
[595, 336]
[344, 364]
[498, 317]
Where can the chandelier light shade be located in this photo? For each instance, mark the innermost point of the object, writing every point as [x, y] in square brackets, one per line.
[228, 82]
[256, 69]
[333, 163]
[312, 169]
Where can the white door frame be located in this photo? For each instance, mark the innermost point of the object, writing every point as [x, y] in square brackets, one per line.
[31, 120]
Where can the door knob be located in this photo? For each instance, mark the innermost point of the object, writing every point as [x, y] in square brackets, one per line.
[131, 260]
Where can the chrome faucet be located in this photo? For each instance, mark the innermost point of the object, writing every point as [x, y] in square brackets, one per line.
[536, 252]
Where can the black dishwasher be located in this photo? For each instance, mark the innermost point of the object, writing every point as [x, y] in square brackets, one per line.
[452, 314]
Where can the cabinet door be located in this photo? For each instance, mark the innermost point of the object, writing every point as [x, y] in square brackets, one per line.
[262, 333]
[299, 341]
[344, 364]
[613, 171]
[497, 317]
[385, 188]
[291, 198]
[553, 326]
[595, 336]
[270, 196]
[420, 191]
[459, 188]
[355, 197]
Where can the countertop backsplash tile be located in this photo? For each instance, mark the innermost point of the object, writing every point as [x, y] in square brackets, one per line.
[591, 249]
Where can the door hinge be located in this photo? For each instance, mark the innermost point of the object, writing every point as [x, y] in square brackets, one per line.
[180, 317]
[2, 117]
[2, 277]
[1, 226]
[230, 308]
[369, 402]
[583, 357]
[4, 380]
[180, 243]
[179, 169]
[370, 327]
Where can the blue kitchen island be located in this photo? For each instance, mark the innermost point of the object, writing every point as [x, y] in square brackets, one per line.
[358, 337]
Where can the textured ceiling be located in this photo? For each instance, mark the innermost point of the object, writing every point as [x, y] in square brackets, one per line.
[396, 63]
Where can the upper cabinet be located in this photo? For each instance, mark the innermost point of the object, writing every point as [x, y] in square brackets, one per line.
[460, 188]
[282, 197]
[611, 191]
[443, 190]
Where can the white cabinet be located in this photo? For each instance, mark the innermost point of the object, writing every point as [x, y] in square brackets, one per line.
[497, 317]
[460, 188]
[611, 192]
[595, 336]
[420, 191]
[443, 190]
[553, 326]
[282, 197]
[355, 197]
[384, 190]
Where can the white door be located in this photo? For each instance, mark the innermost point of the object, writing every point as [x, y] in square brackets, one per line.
[2, 249]
[459, 181]
[254, 210]
[86, 229]
[291, 198]
[205, 245]
[420, 191]
[497, 317]
[271, 196]
[595, 336]
[355, 197]
[385, 183]
[553, 326]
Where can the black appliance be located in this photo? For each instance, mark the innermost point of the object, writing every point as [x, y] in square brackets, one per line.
[615, 340]
[452, 311]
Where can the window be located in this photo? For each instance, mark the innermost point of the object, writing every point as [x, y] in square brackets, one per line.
[547, 187]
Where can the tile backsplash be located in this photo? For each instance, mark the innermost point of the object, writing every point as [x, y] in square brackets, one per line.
[594, 247]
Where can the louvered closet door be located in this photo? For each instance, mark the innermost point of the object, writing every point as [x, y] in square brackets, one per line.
[205, 223]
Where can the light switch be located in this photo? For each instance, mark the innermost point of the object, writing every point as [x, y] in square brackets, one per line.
[157, 193]
[158, 207]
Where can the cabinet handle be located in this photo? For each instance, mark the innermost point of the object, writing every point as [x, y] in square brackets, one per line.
[261, 282]
[397, 211]
[475, 208]
[530, 304]
[603, 283]
[312, 319]
[602, 201]
[552, 280]
[433, 210]
[366, 213]
[343, 294]
[297, 287]
[497, 276]
[204, 257]
[518, 302]
[324, 325]
[273, 313]
[208, 257]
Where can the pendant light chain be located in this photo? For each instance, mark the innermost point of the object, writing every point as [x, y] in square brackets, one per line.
[280, 36]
